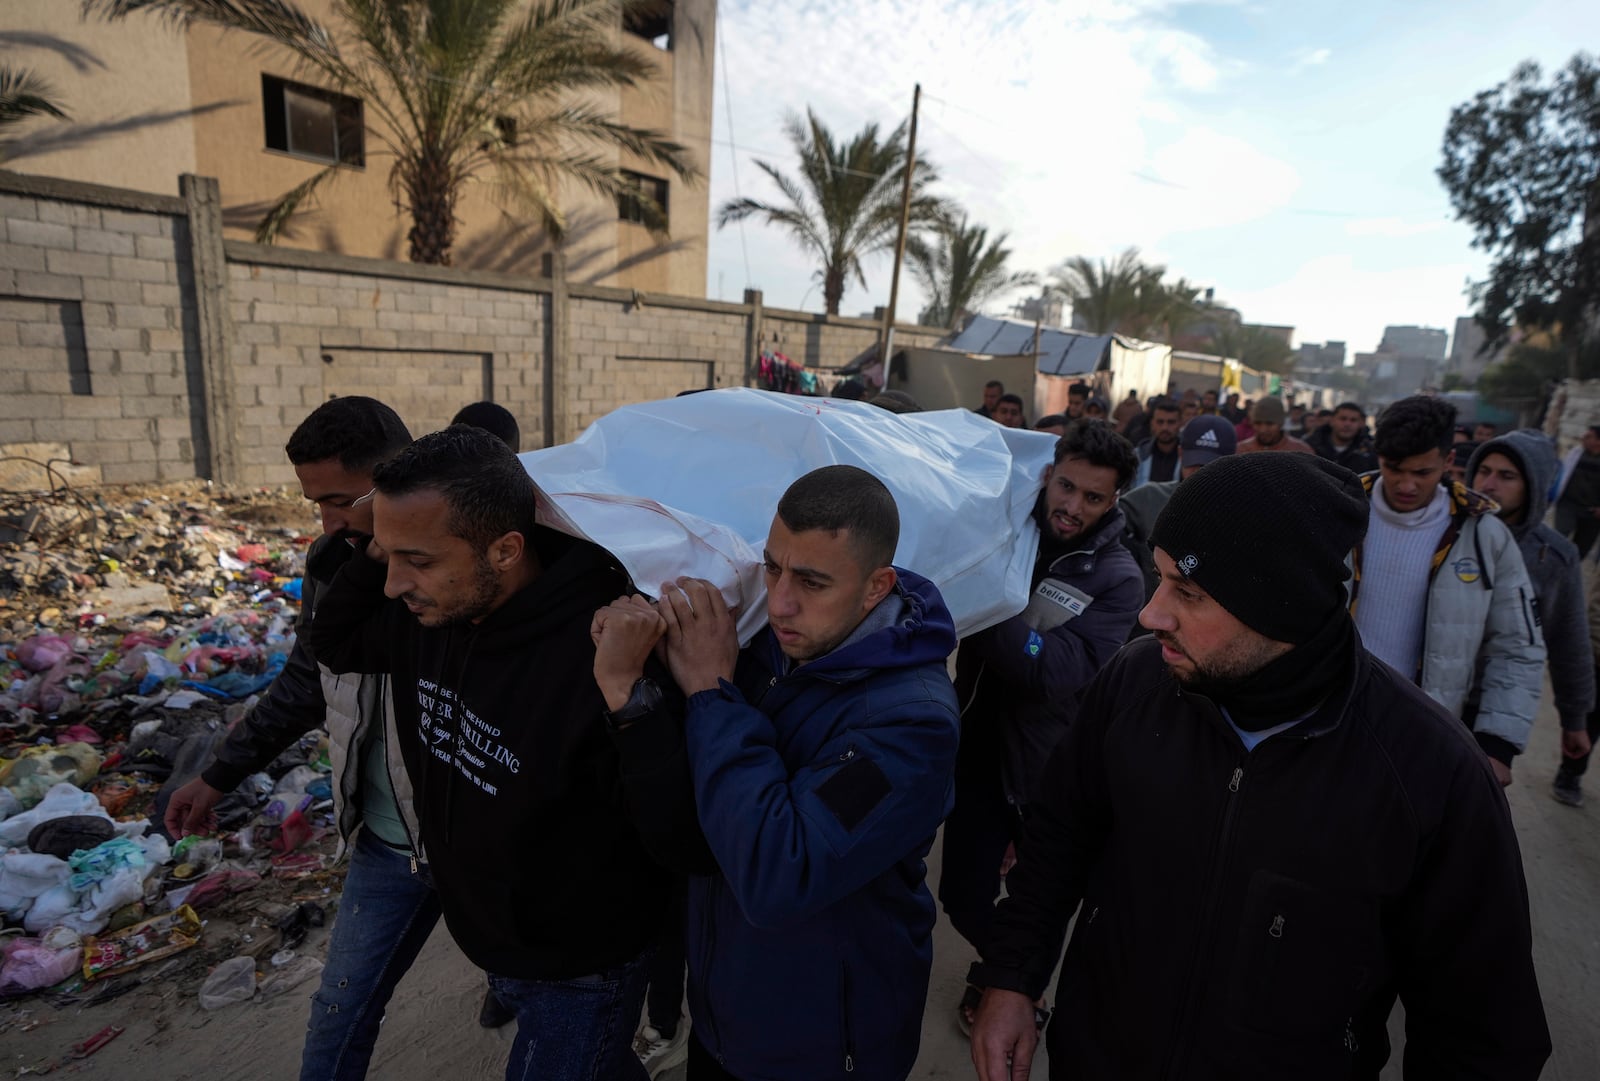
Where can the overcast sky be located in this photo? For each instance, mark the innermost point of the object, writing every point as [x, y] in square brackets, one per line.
[1280, 151]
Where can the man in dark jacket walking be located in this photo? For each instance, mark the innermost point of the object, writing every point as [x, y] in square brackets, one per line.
[1270, 833]
[1019, 680]
[1517, 471]
[1345, 441]
[822, 756]
[528, 786]
[334, 451]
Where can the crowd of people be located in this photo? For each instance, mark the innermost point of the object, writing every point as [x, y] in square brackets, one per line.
[1251, 728]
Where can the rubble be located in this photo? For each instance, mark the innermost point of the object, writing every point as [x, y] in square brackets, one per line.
[136, 624]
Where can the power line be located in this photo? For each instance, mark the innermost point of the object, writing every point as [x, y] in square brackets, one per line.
[733, 154]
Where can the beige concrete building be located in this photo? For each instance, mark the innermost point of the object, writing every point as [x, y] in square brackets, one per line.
[149, 102]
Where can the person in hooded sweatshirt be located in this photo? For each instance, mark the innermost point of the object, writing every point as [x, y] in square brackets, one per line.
[1267, 835]
[526, 777]
[822, 756]
[1518, 471]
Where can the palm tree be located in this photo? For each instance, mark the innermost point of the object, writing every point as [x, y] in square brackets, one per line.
[1253, 347]
[1106, 297]
[845, 204]
[24, 95]
[959, 268]
[458, 91]
[1127, 296]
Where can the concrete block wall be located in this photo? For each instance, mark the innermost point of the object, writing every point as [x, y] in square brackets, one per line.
[308, 327]
[126, 322]
[97, 344]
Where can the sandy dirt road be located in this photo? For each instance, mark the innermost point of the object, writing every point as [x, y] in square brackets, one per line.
[431, 1032]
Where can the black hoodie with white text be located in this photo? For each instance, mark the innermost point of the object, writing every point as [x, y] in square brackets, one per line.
[525, 799]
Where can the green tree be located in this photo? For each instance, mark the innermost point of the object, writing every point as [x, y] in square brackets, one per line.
[959, 267]
[1522, 168]
[23, 96]
[1254, 348]
[844, 204]
[458, 91]
[1126, 296]
[1529, 372]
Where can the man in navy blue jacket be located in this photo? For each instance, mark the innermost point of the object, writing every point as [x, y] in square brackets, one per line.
[1018, 681]
[821, 757]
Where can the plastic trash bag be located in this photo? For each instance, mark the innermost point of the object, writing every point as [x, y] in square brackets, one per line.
[33, 773]
[31, 965]
[232, 981]
[24, 877]
[965, 488]
[60, 801]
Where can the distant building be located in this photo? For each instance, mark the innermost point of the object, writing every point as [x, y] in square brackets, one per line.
[1048, 309]
[1283, 334]
[1429, 342]
[165, 101]
[1392, 376]
[1319, 357]
[1467, 357]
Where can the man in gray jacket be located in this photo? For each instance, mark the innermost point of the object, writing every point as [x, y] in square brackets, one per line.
[1518, 471]
[334, 451]
[1440, 592]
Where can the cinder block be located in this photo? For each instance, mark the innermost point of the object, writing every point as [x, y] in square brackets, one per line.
[49, 335]
[162, 248]
[170, 296]
[90, 407]
[25, 207]
[18, 257]
[141, 270]
[141, 315]
[141, 472]
[29, 407]
[135, 222]
[104, 243]
[112, 291]
[40, 234]
[51, 286]
[51, 210]
[315, 315]
[58, 382]
[16, 431]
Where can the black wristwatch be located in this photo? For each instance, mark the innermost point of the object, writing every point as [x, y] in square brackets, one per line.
[644, 699]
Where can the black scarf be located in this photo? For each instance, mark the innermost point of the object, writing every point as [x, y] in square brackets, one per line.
[1293, 685]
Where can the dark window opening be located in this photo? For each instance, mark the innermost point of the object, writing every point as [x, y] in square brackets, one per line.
[311, 122]
[634, 205]
[651, 20]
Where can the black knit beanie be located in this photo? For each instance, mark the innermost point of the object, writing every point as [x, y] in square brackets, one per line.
[1266, 535]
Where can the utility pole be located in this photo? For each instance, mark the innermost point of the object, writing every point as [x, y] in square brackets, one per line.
[886, 337]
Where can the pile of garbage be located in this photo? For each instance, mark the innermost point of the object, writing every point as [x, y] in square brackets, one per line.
[135, 627]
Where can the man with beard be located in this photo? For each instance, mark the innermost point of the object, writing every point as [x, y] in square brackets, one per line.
[514, 729]
[334, 452]
[1008, 412]
[1159, 454]
[1271, 835]
[1345, 441]
[1018, 681]
[1267, 421]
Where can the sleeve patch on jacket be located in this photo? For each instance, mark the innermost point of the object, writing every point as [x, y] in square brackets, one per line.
[853, 791]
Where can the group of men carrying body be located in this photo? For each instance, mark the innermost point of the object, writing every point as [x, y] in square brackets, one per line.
[1267, 833]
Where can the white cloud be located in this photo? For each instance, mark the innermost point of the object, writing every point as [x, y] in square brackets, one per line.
[1310, 58]
[1392, 227]
[1037, 115]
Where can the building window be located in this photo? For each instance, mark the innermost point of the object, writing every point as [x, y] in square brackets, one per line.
[632, 206]
[310, 122]
[651, 20]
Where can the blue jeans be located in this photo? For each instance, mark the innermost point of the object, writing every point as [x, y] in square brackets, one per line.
[385, 916]
[576, 1030]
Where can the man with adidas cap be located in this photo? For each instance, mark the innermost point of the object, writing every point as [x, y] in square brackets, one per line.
[1271, 834]
[1202, 441]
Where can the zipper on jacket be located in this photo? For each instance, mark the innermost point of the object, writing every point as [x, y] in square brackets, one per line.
[1182, 1040]
[844, 1014]
[388, 769]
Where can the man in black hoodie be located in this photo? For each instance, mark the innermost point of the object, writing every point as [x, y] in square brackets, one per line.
[524, 773]
[1271, 834]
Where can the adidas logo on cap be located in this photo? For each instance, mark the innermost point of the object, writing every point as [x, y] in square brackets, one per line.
[1208, 438]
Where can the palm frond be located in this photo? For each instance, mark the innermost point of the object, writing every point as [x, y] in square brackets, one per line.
[302, 194]
[24, 95]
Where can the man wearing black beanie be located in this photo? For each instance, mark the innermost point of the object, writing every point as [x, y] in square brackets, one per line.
[1271, 834]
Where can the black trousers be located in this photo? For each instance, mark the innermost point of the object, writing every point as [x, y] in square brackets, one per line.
[702, 1067]
[1576, 767]
[664, 1003]
[981, 824]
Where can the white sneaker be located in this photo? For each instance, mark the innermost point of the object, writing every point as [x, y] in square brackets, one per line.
[658, 1053]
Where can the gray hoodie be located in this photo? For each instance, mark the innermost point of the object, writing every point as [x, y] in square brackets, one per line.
[1553, 568]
